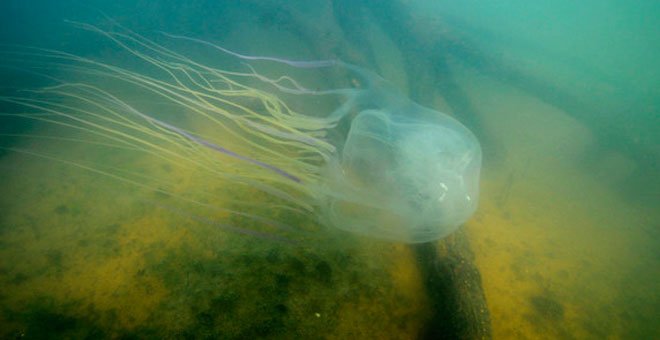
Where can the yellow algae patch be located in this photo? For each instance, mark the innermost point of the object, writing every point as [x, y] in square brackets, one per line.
[115, 285]
[67, 248]
[399, 306]
[411, 293]
[563, 265]
[560, 253]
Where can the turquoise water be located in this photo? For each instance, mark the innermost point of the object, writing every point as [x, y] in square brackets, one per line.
[103, 239]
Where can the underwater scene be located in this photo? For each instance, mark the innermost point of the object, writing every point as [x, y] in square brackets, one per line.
[329, 169]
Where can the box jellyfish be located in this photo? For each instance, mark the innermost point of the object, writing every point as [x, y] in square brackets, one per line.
[404, 172]
[375, 164]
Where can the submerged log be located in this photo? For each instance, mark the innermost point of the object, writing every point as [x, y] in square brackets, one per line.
[453, 285]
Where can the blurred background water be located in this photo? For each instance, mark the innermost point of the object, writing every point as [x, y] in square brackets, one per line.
[564, 97]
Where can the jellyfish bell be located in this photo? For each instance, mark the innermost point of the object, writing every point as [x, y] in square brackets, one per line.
[376, 163]
[405, 172]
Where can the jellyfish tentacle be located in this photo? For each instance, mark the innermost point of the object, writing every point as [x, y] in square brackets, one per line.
[170, 89]
[294, 63]
[221, 149]
[376, 163]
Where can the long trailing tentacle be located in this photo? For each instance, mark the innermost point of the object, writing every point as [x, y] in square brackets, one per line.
[285, 149]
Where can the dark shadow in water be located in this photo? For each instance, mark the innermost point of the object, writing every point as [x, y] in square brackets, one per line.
[45, 321]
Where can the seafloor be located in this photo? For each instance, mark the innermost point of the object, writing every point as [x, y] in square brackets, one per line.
[561, 253]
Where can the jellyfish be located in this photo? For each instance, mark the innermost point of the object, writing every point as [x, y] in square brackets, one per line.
[375, 163]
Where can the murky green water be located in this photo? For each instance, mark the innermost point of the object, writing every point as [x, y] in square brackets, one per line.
[99, 239]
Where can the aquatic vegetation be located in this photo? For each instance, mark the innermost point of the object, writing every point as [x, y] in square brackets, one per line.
[374, 162]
